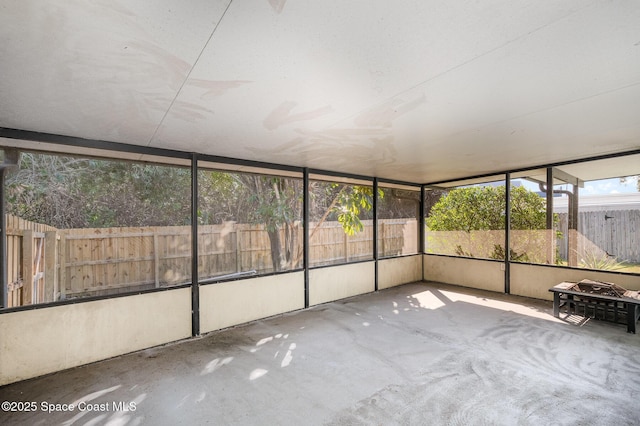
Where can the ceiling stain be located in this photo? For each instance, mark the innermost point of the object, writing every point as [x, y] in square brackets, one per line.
[336, 148]
[384, 114]
[152, 60]
[277, 5]
[282, 115]
[213, 89]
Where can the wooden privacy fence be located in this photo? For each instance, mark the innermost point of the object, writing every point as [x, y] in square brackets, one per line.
[97, 261]
[536, 246]
[27, 246]
[608, 233]
[601, 235]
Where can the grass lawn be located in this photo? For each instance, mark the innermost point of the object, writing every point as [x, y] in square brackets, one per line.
[631, 268]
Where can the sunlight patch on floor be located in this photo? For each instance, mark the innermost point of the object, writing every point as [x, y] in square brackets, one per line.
[427, 300]
[257, 373]
[503, 306]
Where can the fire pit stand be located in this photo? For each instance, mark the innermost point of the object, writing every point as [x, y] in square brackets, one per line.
[599, 300]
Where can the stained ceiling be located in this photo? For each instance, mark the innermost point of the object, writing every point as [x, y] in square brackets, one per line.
[418, 91]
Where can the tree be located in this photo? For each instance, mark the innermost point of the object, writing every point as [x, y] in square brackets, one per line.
[72, 192]
[277, 203]
[483, 209]
[349, 205]
[76, 192]
[42, 189]
[117, 193]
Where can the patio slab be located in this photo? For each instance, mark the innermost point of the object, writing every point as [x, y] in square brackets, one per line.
[422, 353]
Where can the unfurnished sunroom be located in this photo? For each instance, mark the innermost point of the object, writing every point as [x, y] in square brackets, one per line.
[173, 170]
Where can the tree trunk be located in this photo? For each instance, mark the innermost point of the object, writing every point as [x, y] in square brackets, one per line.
[276, 252]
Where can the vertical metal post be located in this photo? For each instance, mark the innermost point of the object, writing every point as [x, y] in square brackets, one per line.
[507, 234]
[421, 221]
[4, 295]
[549, 198]
[11, 158]
[305, 238]
[421, 231]
[195, 285]
[375, 231]
[572, 228]
[551, 240]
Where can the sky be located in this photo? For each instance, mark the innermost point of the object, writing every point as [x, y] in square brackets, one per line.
[600, 187]
[610, 186]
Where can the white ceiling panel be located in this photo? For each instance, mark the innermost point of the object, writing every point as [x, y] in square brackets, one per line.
[101, 69]
[417, 91]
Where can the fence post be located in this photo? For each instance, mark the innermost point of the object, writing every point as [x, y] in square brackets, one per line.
[50, 263]
[14, 242]
[238, 250]
[346, 246]
[156, 259]
[27, 266]
[382, 251]
[38, 267]
[62, 265]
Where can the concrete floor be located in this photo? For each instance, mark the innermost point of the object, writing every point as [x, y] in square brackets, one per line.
[419, 354]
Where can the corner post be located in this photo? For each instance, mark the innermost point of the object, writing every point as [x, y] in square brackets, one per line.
[375, 231]
[421, 230]
[305, 237]
[195, 285]
[507, 234]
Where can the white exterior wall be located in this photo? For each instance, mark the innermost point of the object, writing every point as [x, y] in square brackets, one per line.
[399, 270]
[337, 282]
[236, 302]
[536, 280]
[466, 272]
[42, 341]
[525, 280]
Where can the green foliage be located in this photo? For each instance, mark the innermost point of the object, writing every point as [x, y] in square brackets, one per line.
[217, 195]
[498, 254]
[274, 201]
[468, 209]
[77, 192]
[72, 192]
[460, 252]
[528, 210]
[483, 208]
[134, 194]
[352, 201]
[596, 259]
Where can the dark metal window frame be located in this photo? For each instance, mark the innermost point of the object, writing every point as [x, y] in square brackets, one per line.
[107, 147]
[507, 262]
[418, 189]
[108, 150]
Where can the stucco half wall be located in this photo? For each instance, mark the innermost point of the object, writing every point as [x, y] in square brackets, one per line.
[236, 302]
[399, 270]
[527, 280]
[466, 272]
[42, 341]
[536, 280]
[337, 282]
